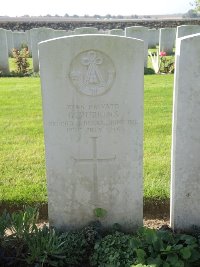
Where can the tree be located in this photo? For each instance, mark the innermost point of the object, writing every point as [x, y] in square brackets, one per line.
[197, 4]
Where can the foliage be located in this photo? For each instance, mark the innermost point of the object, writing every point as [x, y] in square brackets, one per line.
[22, 244]
[115, 250]
[148, 71]
[21, 60]
[166, 65]
[100, 212]
[161, 62]
[148, 248]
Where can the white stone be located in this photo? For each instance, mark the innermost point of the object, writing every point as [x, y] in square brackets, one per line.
[153, 38]
[19, 39]
[86, 30]
[28, 36]
[4, 66]
[184, 30]
[9, 36]
[167, 40]
[118, 32]
[60, 33]
[92, 87]
[139, 32]
[38, 35]
[185, 186]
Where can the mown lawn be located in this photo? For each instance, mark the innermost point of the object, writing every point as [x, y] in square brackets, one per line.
[22, 163]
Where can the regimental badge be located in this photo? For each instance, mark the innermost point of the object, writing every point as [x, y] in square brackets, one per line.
[92, 73]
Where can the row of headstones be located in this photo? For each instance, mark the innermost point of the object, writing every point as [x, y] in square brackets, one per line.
[93, 123]
[165, 37]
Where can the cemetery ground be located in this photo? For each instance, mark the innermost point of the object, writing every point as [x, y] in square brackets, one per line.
[23, 181]
[22, 161]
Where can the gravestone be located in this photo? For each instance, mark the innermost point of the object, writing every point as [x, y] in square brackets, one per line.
[38, 35]
[184, 30]
[85, 30]
[19, 39]
[139, 32]
[118, 32]
[28, 36]
[4, 66]
[60, 33]
[9, 36]
[93, 120]
[167, 40]
[153, 38]
[185, 185]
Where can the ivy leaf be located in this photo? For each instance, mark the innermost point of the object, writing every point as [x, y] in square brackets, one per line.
[185, 253]
[100, 212]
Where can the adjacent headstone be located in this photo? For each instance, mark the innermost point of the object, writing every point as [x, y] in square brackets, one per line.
[10, 43]
[85, 30]
[4, 65]
[185, 186]
[167, 40]
[184, 30]
[38, 35]
[139, 32]
[60, 33]
[19, 39]
[153, 38]
[28, 36]
[118, 32]
[92, 88]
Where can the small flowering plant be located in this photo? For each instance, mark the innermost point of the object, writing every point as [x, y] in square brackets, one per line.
[161, 63]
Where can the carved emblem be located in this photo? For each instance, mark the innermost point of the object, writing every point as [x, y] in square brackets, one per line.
[92, 73]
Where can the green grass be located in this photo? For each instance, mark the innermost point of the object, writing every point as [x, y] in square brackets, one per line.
[22, 163]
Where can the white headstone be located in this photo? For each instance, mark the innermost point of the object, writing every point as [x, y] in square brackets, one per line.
[167, 40]
[10, 43]
[28, 36]
[19, 39]
[153, 38]
[60, 33]
[185, 186]
[4, 66]
[93, 119]
[139, 32]
[184, 30]
[118, 32]
[38, 35]
[86, 30]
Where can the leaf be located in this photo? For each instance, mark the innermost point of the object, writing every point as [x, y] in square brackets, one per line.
[100, 212]
[141, 254]
[185, 253]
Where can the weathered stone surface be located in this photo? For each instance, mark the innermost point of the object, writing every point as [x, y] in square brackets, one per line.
[3, 52]
[184, 30]
[167, 40]
[185, 186]
[38, 35]
[19, 39]
[93, 119]
[118, 32]
[153, 38]
[10, 43]
[86, 30]
[141, 33]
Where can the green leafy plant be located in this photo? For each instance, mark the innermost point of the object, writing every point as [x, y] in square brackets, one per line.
[117, 249]
[45, 248]
[100, 212]
[21, 60]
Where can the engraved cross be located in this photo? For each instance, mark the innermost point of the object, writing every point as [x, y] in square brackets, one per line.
[94, 160]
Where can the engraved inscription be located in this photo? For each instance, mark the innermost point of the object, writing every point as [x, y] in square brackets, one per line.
[94, 119]
[94, 160]
[92, 73]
